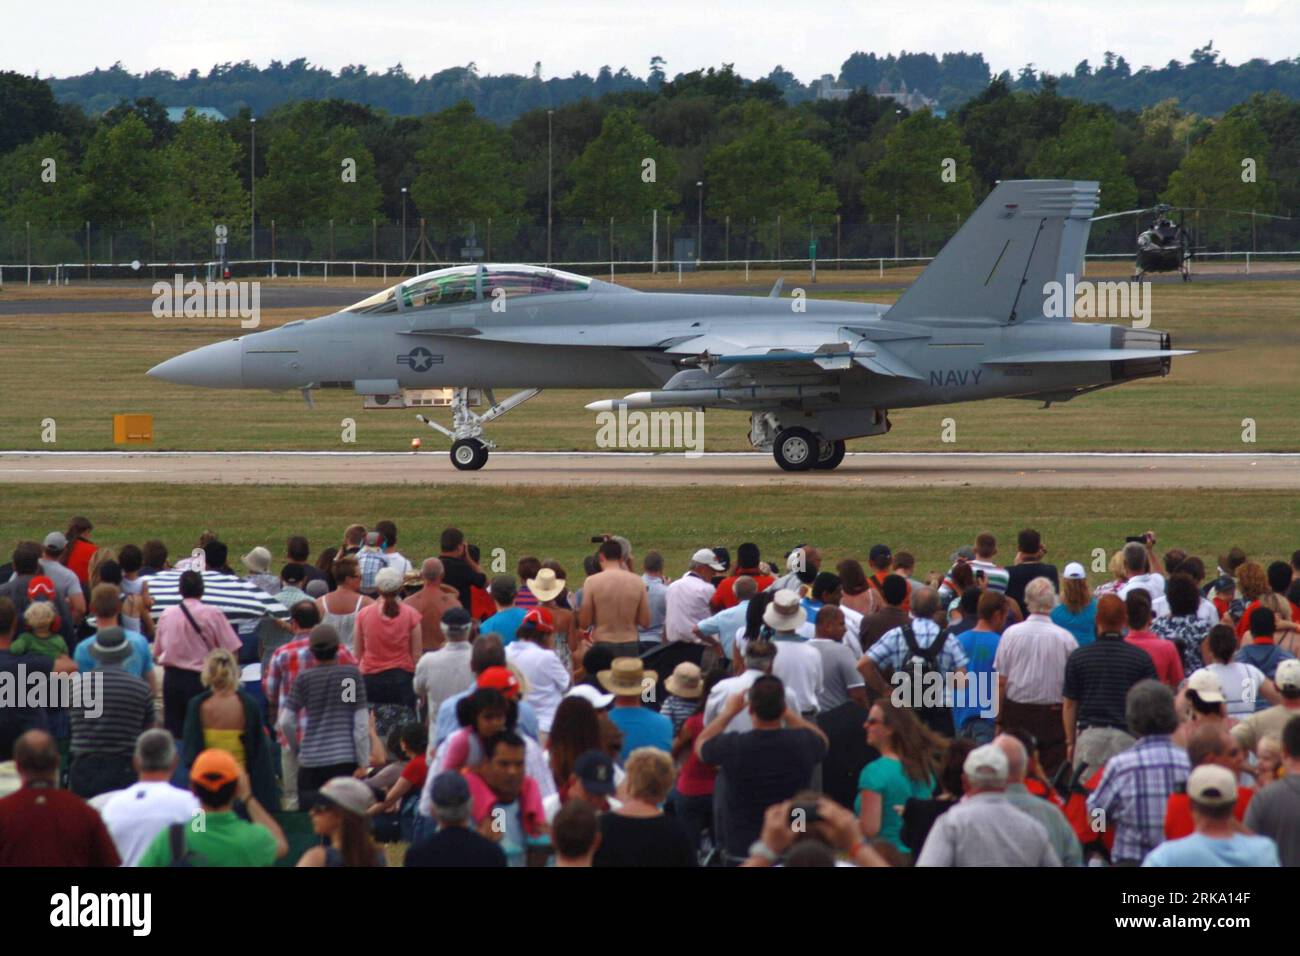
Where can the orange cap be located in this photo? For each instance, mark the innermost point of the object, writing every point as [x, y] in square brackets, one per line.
[213, 769]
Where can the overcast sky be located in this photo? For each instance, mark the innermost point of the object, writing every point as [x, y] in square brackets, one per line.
[807, 38]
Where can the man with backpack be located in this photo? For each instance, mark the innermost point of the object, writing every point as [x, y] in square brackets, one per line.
[920, 657]
[217, 836]
[1262, 651]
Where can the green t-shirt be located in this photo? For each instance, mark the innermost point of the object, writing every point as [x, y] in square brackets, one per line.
[52, 646]
[885, 775]
[224, 840]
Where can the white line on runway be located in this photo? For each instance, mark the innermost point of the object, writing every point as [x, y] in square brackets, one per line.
[655, 454]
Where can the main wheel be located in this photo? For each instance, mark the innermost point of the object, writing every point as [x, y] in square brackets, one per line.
[796, 449]
[832, 453]
[469, 454]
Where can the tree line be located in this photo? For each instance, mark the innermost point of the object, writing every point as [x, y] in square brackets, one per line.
[761, 159]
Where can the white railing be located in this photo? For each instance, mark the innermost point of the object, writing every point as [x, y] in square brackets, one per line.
[63, 272]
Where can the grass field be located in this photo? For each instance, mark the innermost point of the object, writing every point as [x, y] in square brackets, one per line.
[80, 369]
[557, 522]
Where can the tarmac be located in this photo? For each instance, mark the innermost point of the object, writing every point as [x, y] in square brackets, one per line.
[1101, 470]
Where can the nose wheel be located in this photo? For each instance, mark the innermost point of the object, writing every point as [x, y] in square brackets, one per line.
[469, 454]
[469, 449]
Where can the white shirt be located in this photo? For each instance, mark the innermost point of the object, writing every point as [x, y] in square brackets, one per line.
[1152, 583]
[852, 628]
[442, 674]
[136, 815]
[398, 562]
[547, 677]
[1241, 683]
[799, 665]
[1205, 611]
[1031, 655]
[687, 605]
[725, 689]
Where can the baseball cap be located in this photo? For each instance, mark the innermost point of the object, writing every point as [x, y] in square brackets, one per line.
[40, 588]
[1207, 685]
[293, 571]
[373, 538]
[965, 553]
[1212, 785]
[880, 552]
[1074, 572]
[1224, 583]
[986, 766]
[214, 769]
[1288, 674]
[323, 637]
[450, 789]
[347, 793]
[388, 580]
[456, 619]
[539, 619]
[502, 679]
[596, 771]
[706, 557]
[600, 701]
[55, 541]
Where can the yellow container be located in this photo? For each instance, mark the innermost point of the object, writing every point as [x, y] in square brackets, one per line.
[132, 429]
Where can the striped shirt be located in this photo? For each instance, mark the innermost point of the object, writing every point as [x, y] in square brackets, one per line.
[120, 711]
[286, 664]
[331, 696]
[1134, 792]
[1099, 676]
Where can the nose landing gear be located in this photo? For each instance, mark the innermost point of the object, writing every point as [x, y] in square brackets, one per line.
[469, 450]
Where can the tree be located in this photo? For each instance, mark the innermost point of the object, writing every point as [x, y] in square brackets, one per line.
[27, 109]
[911, 181]
[1213, 176]
[768, 170]
[608, 178]
[305, 168]
[121, 173]
[1086, 148]
[466, 173]
[202, 186]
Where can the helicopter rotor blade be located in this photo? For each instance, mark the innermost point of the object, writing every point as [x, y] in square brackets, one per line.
[1126, 212]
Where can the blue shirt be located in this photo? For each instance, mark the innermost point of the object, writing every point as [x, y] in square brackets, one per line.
[446, 724]
[139, 663]
[1082, 625]
[1200, 850]
[642, 727]
[506, 623]
[724, 626]
[980, 647]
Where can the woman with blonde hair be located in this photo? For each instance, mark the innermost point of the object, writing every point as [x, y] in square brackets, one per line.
[1116, 568]
[388, 641]
[227, 718]
[1077, 612]
[97, 561]
[639, 833]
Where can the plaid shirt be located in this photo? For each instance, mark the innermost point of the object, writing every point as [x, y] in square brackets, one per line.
[370, 563]
[890, 652]
[286, 664]
[1134, 792]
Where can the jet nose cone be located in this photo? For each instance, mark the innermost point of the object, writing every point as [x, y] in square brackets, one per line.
[220, 365]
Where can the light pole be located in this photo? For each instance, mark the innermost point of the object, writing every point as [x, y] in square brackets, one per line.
[252, 188]
[549, 149]
[699, 228]
[403, 223]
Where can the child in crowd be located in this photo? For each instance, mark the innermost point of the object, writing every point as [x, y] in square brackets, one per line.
[685, 687]
[41, 617]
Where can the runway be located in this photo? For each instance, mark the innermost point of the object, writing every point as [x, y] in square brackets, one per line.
[1099, 470]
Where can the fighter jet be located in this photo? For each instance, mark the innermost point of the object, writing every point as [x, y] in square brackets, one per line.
[978, 323]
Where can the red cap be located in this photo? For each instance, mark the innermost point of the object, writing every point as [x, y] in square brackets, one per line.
[539, 618]
[40, 588]
[502, 679]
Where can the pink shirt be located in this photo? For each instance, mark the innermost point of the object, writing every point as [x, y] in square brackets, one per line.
[178, 644]
[384, 643]
[1169, 664]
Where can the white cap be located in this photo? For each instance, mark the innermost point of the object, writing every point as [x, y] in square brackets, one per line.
[706, 557]
[1212, 785]
[1074, 572]
[388, 580]
[590, 695]
[986, 766]
[1207, 685]
[1288, 674]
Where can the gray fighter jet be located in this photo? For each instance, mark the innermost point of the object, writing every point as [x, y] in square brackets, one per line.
[978, 323]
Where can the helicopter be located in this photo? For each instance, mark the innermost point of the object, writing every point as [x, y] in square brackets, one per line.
[1167, 246]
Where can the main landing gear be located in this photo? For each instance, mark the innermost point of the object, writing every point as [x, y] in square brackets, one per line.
[798, 449]
[469, 449]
